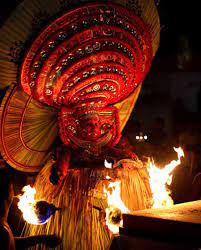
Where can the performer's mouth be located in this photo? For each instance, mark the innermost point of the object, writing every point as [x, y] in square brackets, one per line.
[101, 141]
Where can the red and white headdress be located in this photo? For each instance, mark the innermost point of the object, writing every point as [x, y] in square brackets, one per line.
[92, 57]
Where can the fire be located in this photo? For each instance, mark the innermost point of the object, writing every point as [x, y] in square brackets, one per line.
[115, 207]
[34, 212]
[27, 205]
[107, 164]
[158, 180]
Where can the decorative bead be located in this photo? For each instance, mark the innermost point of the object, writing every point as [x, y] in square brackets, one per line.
[43, 54]
[76, 79]
[101, 69]
[111, 43]
[74, 27]
[76, 98]
[62, 35]
[89, 49]
[48, 92]
[85, 23]
[126, 27]
[133, 32]
[119, 45]
[32, 84]
[105, 43]
[96, 46]
[96, 87]
[37, 65]
[80, 52]
[119, 21]
[70, 57]
[33, 75]
[65, 62]
[105, 87]
[58, 70]
[85, 74]
[70, 84]
[93, 71]
[107, 21]
[114, 69]
[95, 21]
[51, 44]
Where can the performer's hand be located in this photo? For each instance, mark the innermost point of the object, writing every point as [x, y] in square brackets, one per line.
[52, 241]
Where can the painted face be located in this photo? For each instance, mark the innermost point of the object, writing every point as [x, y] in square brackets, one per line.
[89, 128]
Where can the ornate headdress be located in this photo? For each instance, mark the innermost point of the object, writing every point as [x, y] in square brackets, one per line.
[90, 58]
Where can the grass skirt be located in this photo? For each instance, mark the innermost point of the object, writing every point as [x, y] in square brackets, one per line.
[78, 223]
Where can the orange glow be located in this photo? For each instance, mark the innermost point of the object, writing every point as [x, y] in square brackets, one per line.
[158, 180]
[115, 207]
[27, 205]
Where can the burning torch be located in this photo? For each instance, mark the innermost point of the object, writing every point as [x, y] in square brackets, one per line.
[35, 212]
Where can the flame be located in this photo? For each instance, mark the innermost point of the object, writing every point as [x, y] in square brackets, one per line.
[115, 207]
[159, 178]
[107, 164]
[27, 205]
[107, 177]
[34, 212]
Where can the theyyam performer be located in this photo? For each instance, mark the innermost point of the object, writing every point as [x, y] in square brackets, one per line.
[72, 71]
